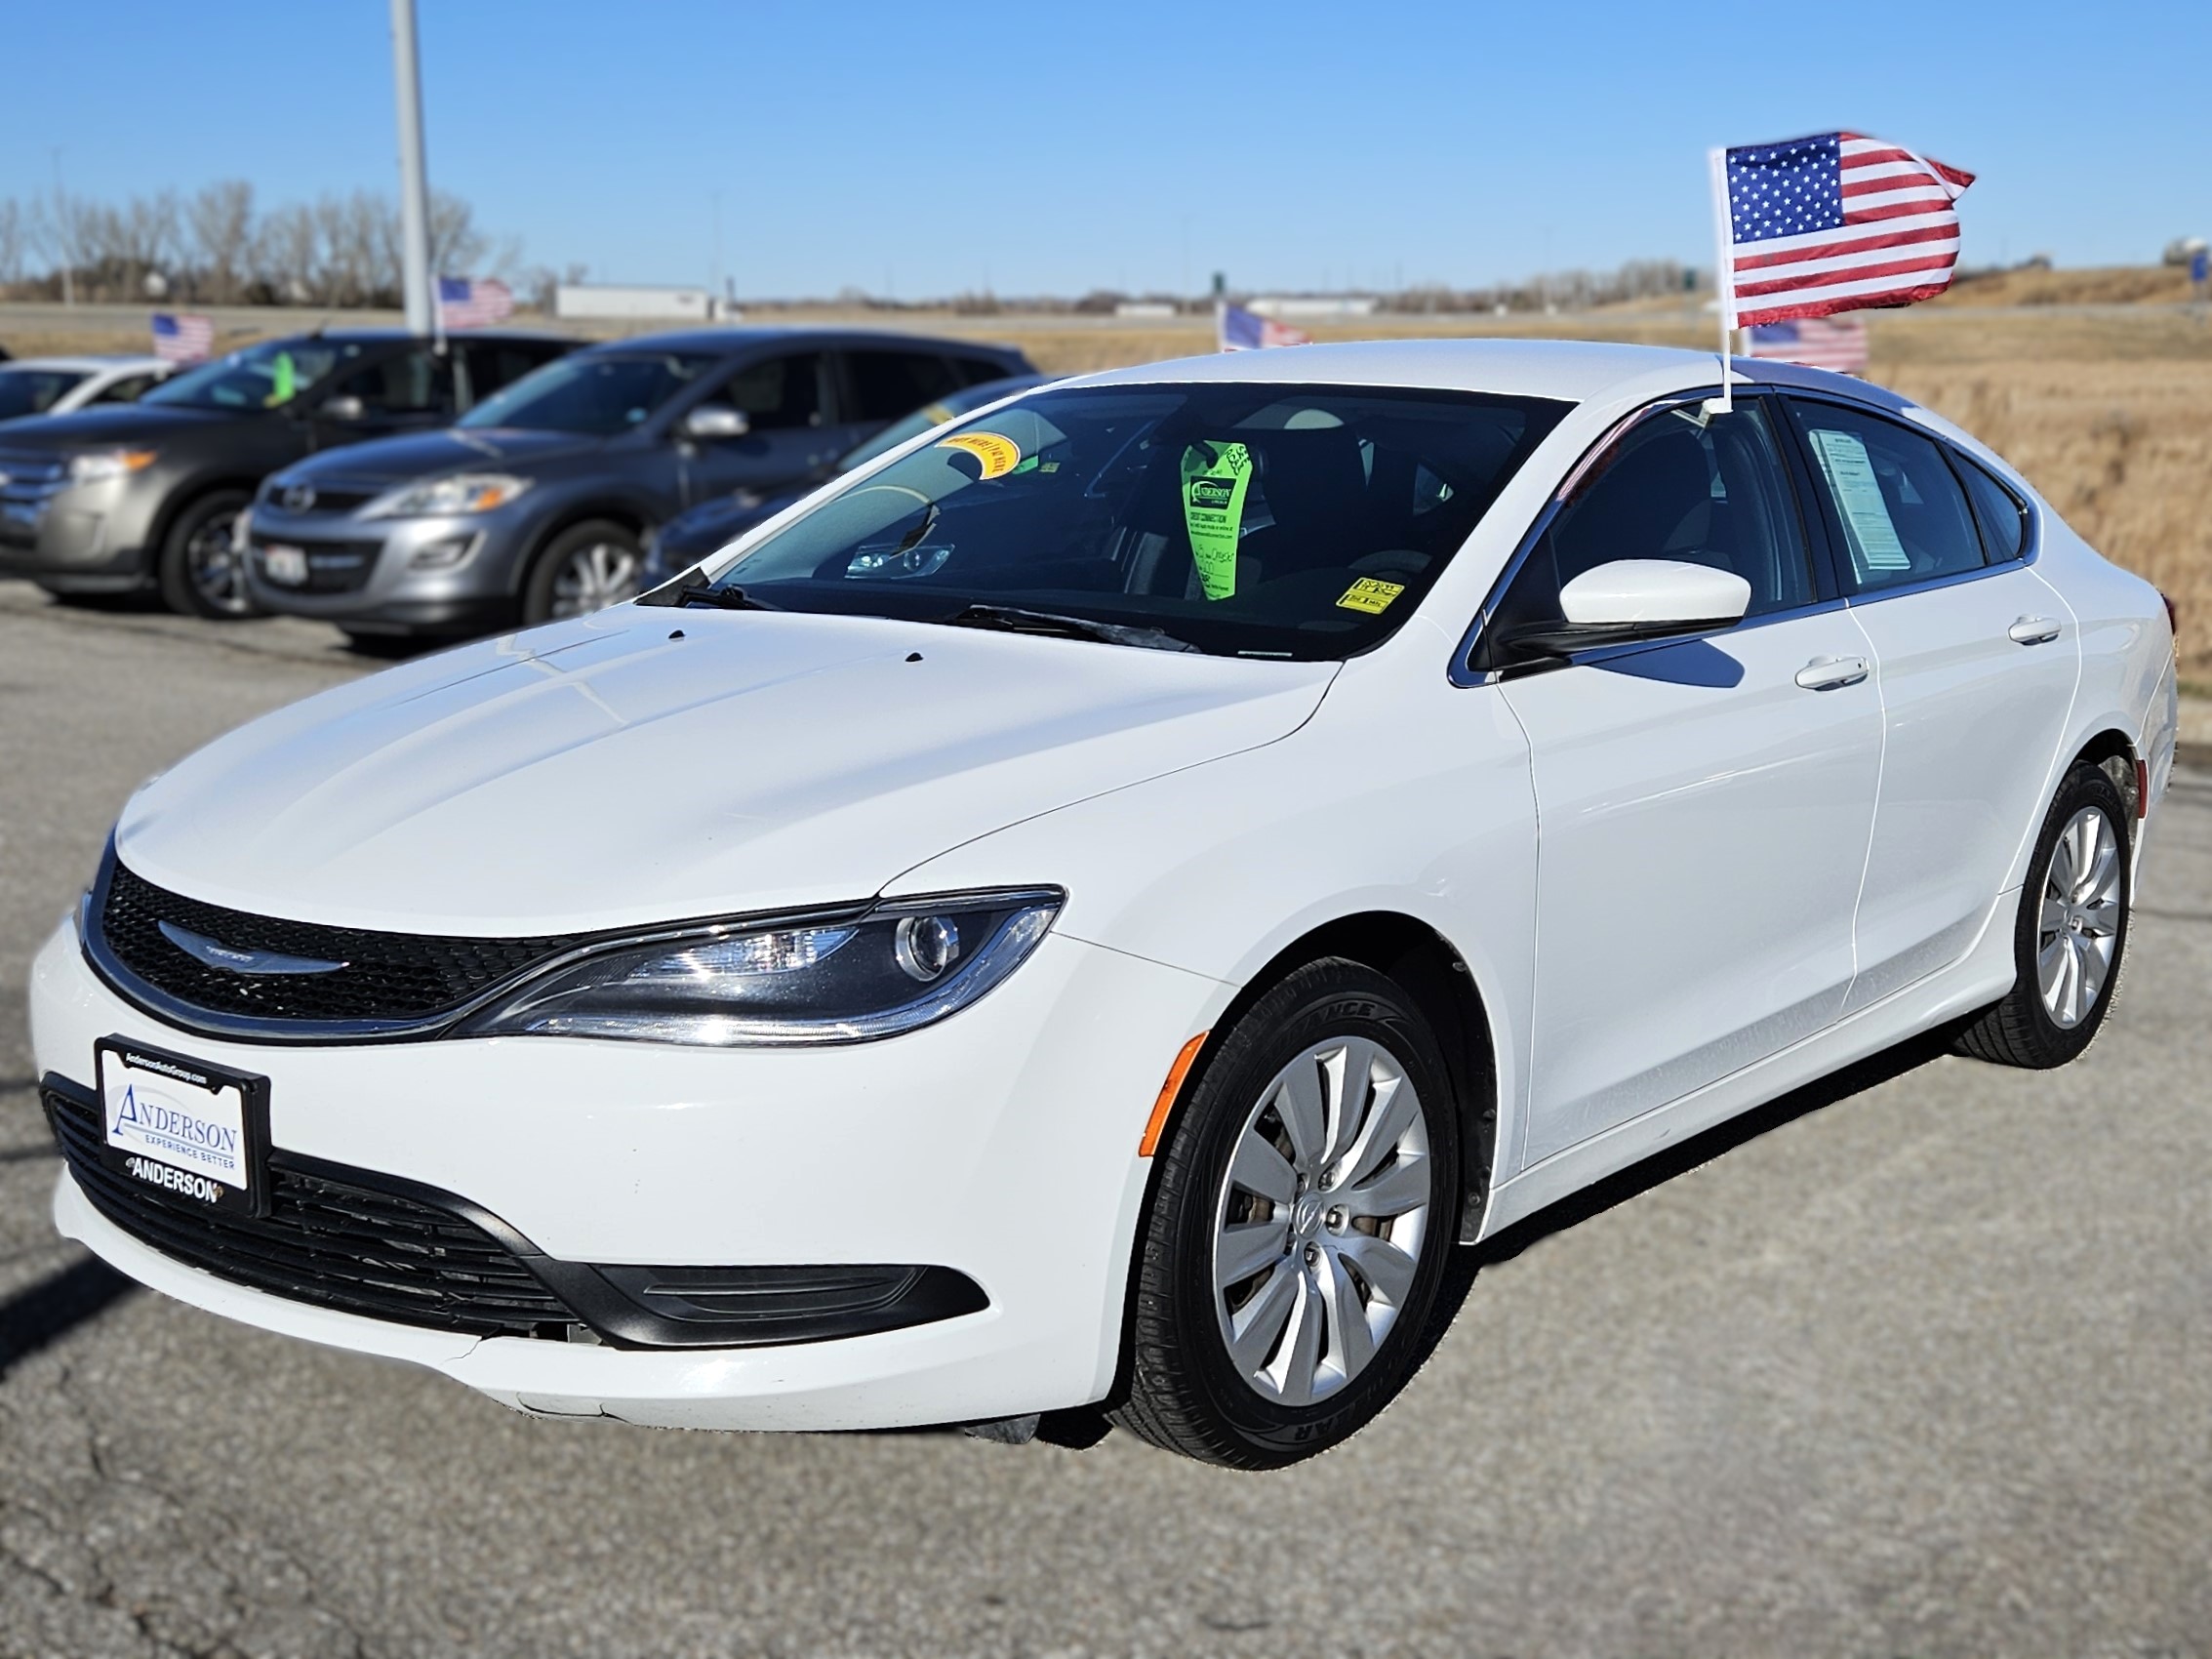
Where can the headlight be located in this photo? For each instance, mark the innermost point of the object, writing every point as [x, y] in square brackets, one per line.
[96, 465]
[873, 973]
[462, 492]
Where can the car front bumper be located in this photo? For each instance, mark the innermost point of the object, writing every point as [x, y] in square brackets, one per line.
[365, 575]
[1000, 1142]
[75, 537]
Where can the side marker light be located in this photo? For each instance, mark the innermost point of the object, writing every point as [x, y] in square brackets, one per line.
[1156, 1124]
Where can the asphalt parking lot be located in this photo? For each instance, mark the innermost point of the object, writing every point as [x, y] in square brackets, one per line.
[1918, 1363]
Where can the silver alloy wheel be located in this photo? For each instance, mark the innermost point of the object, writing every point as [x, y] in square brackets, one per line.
[1319, 1226]
[2079, 927]
[215, 568]
[594, 576]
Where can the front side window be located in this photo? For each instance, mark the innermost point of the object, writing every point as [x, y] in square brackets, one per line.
[1681, 484]
[1241, 519]
[129, 389]
[776, 393]
[1898, 509]
[408, 383]
[595, 394]
[33, 391]
[267, 376]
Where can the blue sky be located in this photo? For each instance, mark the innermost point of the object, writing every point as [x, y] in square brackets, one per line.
[929, 148]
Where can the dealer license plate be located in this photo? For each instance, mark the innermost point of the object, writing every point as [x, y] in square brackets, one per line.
[181, 1125]
[281, 563]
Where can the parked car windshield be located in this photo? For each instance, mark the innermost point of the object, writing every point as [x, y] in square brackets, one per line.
[33, 391]
[594, 393]
[266, 376]
[1241, 518]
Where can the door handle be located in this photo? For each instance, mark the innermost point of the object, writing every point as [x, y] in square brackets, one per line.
[2033, 631]
[1826, 673]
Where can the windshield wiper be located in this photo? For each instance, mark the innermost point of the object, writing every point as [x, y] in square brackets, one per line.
[1012, 619]
[693, 588]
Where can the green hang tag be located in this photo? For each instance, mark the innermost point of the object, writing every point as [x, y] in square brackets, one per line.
[283, 380]
[1214, 478]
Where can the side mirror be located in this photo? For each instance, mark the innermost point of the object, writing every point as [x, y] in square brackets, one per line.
[1630, 599]
[713, 422]
[342, 408]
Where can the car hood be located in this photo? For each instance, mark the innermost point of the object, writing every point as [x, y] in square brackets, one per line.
[647, 765]
[132, 424]
[425, 455]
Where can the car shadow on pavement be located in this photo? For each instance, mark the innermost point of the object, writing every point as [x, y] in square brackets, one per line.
[50, 1308]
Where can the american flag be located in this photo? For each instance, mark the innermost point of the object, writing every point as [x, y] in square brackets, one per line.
[1814, 342]
[1248, 330]
[1834, 223]
[473, 301]
[182, 338]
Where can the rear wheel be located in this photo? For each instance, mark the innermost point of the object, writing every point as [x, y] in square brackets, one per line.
[1306, 1208]
[202, 574]
[586, 568]
[2072, 933]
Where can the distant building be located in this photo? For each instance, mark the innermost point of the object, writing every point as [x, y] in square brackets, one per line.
[1317, 305]
[1154, 309]
[611, 302]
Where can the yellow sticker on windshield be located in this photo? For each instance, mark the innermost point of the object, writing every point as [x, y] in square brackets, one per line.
[998, 454]
[1370, 595]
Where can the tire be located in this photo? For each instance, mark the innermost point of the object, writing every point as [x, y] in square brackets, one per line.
[200, 575]
[2072, 923]
[1282, 1400]
[584, 568]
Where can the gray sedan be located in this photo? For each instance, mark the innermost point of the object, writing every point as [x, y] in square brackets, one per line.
[536, 504]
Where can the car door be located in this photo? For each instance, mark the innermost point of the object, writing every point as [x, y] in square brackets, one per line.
[1977, 660]
[409, 391]
[790, 409]
[1704, 804]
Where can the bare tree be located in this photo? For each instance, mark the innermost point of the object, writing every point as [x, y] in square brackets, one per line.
[14, 240]
[221, 219]
[457, 246]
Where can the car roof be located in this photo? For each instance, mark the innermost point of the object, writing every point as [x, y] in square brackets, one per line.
[1577, 370]
[729, 342]
[91, 363]
[397, 336]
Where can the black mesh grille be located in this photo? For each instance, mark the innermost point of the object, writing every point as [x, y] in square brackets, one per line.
[392, 976]
[328, 1242]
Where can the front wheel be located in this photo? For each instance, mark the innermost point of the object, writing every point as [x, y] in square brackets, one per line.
[2071, 932]
[1306, 1208]
[203, 572]
[586, 568]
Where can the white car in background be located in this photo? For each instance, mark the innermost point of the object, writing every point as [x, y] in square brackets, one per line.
[57, 385]
[1089, 910]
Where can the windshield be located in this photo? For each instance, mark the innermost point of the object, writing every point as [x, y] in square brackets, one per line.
[592, 393]
[33, 391]
[1242, 519]
[950, 406]
[266, 376]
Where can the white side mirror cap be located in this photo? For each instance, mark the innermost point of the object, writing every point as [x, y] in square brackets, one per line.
[1627, 592]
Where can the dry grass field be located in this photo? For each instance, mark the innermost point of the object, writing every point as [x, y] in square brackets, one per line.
[2096, 384]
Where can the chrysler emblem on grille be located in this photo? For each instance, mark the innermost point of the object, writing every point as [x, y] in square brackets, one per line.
[219, 955]
[299, 497]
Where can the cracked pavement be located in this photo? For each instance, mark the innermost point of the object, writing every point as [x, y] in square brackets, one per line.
[1921, 1363]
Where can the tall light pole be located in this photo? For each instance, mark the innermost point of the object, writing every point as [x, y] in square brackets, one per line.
[414, 180]
[68, 231]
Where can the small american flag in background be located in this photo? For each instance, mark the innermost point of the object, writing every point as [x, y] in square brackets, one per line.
[182, 338]
[1834, 223]
[1814, 342]
[1248, 330]
[473, 301]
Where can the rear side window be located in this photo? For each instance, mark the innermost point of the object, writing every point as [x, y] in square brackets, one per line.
[887, 385]
[980, 371]
[129, 389]
[492, 364]
[1893, 499]
[1997, 510]
[410, 383]
[1683, 485]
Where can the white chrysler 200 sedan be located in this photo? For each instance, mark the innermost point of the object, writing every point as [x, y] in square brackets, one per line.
[1094, 908]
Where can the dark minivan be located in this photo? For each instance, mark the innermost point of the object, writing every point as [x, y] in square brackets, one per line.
[113, 499]
[536, 504]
